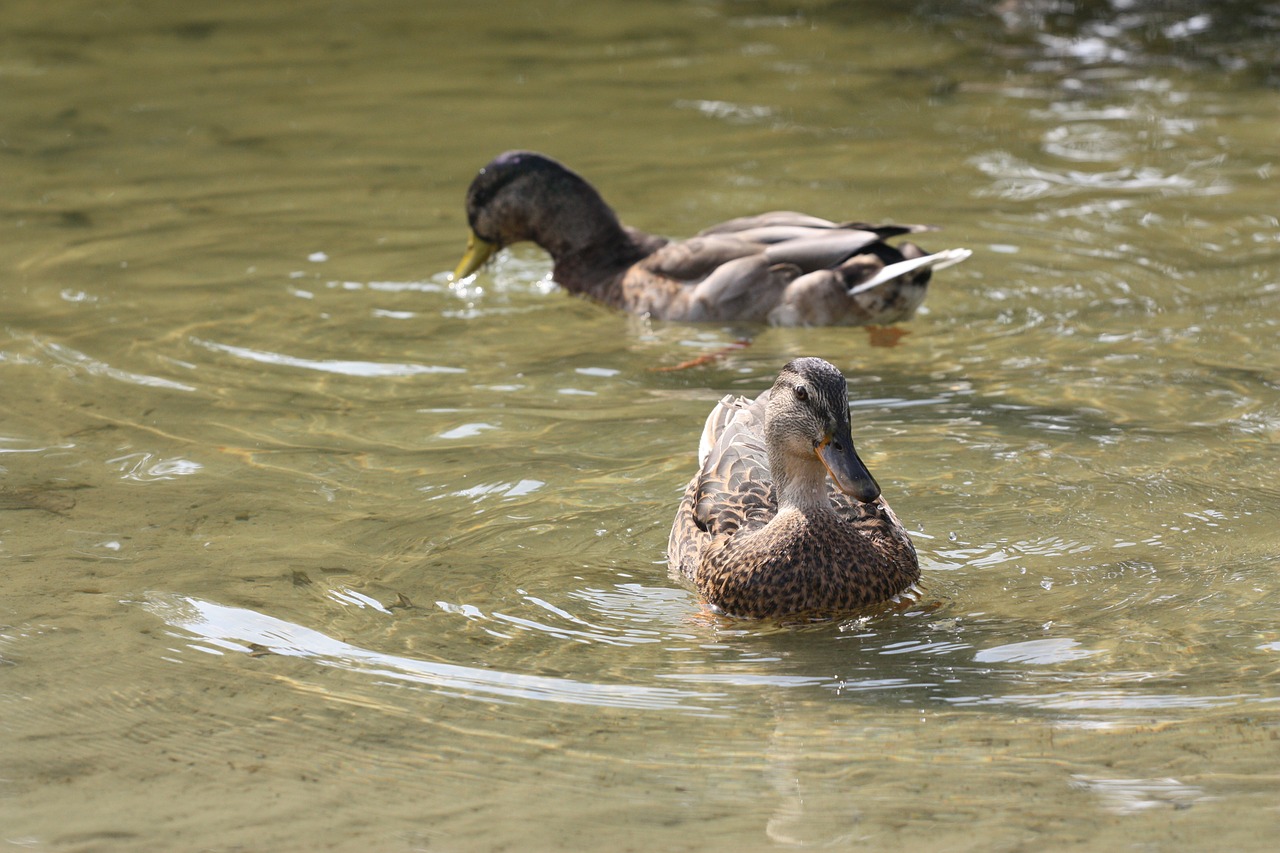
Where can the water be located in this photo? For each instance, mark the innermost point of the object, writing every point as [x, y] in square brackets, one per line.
[306, 547]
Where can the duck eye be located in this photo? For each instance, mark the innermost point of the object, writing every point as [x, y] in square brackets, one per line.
[802, 393]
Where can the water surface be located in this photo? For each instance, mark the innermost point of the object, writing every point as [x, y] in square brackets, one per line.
[308, 547]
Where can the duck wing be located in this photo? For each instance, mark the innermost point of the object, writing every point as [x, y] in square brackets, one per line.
[821, 249]
[784, 224]
[732, 489]
[783, 237]
[692, 260]
[720, 277]
[774, 218]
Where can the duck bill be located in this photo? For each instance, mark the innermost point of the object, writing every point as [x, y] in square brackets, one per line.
[844, 466]
[478, 252]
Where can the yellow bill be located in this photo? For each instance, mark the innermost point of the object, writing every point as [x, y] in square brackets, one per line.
[479, 251]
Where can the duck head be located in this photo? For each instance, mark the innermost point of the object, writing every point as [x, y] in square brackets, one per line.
[523, 195]
[808, 438]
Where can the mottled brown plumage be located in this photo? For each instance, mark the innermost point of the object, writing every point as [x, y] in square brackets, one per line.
[783, 268]
[782, 516]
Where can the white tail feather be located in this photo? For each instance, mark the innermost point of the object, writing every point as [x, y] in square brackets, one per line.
[938, 261]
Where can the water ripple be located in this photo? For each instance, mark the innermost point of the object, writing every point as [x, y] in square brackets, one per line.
[1130, 796]
[143, 467]
[92, 366]
[1106, 700]
[1060, 650]
[366, 369]
[1016, 179]
[218, 629]
[736, 113]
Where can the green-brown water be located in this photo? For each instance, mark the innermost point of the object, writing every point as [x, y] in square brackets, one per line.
[306, 548]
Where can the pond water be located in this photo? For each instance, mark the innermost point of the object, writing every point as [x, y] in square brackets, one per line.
[307, 547]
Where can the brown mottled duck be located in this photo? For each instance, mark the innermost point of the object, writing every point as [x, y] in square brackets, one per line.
[782, 517]
[782, 268]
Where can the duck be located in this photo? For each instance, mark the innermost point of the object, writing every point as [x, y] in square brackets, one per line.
[783, 518]
[782, 268]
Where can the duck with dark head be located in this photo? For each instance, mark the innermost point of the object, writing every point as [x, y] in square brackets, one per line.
[782, 268]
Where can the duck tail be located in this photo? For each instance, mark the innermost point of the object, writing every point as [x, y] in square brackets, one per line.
[936, 261]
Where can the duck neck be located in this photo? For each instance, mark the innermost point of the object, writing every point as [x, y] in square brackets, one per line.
[801, 487]
[575, 224]
[582, 234]
[593, 263]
